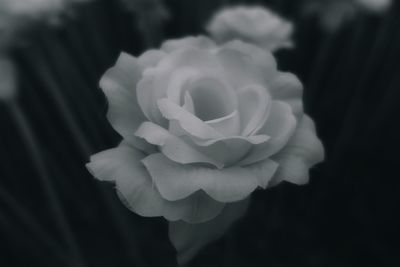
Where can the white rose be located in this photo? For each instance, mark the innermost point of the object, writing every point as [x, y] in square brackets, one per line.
[375, 5]
[332, 14]
[256, 25]
[203, 127]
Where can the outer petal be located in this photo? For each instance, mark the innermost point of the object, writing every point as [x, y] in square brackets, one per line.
[151, 58]
[134, 185]
[201, 42]
[288, 88]
[264, 60]
[125, 74]
[302, 152]
[173, 147]
[176, 181]
[188, 239]
[280, 126]
[147, 96]
[246, 64]
[119, 85]
[229, 150]
[254, 105]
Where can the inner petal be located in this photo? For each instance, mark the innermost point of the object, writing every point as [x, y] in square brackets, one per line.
[152, 86]
[211, 98]
[254, 106]
[228, 125]
[177, 86]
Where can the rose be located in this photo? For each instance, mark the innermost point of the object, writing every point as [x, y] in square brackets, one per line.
[32, 7]
[149, 16]
[16, 14]
[256, 25]
[203, 126]
[334, 13]
[331, 13]
[375, 5]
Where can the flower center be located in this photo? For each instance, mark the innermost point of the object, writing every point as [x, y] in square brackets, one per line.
[211, 99]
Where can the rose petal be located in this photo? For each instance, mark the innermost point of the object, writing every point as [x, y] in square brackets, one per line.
[254, 105]
[228, 125]
[212, 98]
[280, 126]
[303, 151]
[264, 60]
[152, 87]
[151, 58]
[201, 42]
[119, 84]
[179, 78]
[226, 150]
[134, 185]
[177, 181]
[188, 57]
[188, 239]
[173, 147]
[239, 68]
[188, 103]
[125, 74]
[146, 95]
[174, 126]
[279, 37]
[246, 64]
[189, 122]
[229, 150]
[288, 88]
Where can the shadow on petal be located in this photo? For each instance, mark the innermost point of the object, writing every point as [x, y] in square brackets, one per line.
[134, 185]
[176, 181]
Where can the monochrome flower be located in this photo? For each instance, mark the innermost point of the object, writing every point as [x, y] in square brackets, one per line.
[333, 13]
[19, 15]
[203, 126]
[150, 16]
[35, 9]
[252, 24]
[375, 5]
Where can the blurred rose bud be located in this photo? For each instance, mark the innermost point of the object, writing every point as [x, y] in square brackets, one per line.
[332, 14]
[255, 25]
[375, 5]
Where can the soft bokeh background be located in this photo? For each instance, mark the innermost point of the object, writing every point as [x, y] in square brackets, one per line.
[53, 213]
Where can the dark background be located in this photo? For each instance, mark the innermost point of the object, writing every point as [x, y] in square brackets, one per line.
[53, 213]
